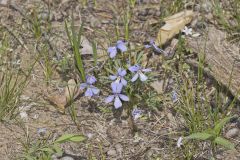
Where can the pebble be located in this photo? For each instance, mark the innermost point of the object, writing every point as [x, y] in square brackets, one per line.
[112, 152]
[233, 133]
[207, 7]
[151, 11]
[4, 2]
[157, 13]
[94, 22]
[66, 158]
[149, 154]
[35, 116]
[119, 148]
[143, 13]
[87, 47]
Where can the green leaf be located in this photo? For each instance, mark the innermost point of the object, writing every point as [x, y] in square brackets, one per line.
[224, 142]
[68, 33]
[95, 56]
[77, 138]
[220, 125]
[200, 136]
[28, 157]
[70, 137]
[64, 138]
[57, 149]
[48, 150]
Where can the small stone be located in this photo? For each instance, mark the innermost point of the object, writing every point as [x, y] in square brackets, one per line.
[207, 7]
[232, 133]
[35, 116]
[90, 135]
[43, 16]
[149, 154]
[112, 153]
[24, 115]
[151, 11]
[54, 157]
[66, 158]
[24, 97]
[4, 2]
[87, 47]
[41, 131]
[209, 17]
[218, 156]
[157, 86]
[94, 22]
[119, 148]
[157, 13]
[143, 13]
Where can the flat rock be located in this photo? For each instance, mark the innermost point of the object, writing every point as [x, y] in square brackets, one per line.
[221, 56]
[234, 132]
[112, 153]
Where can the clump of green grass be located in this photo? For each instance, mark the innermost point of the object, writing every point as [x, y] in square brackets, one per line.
[202, 121]
[228, 18]
[43, 148]
[46, 63]
[75, 41]
[12, 83]
[43, 45]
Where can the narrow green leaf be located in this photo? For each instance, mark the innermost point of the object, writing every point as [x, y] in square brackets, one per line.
[68, 33]
[28, 157]
[94, 48]
[57, 149]
[224, 142]
[77, 138]
[220, 125]
[48, 150]
[80, 33]
[64, 138]
[70, 137]
[75, 43]
[200, 136]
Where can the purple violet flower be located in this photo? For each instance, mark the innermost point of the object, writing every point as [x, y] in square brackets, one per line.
[136, 113]
[91, 90]
[154, 47]
[139, 72]
[117, 96]
[120, 46]
[41, 131]
[174, 96]
[119, 77]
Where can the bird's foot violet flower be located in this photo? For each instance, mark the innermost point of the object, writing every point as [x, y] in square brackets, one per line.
[41, 131]
[119, 77]
[174, 96]
[117, 96]
[154, 47]
[139, 72]
[136, 113]
[91, 90]
[120, 46]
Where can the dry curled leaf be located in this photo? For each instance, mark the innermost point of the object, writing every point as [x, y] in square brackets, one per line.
[71, 92]
[174, 24]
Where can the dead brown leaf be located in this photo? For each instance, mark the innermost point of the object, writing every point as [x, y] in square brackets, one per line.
[174, 24]
[71, 92]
